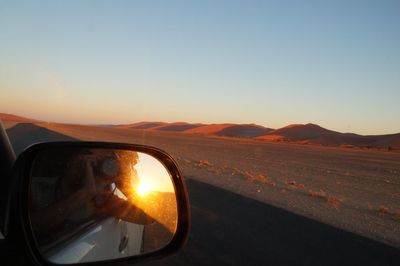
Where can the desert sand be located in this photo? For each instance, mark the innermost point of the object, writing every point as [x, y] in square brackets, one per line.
[356, 190]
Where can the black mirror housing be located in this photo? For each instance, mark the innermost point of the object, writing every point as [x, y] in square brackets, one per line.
[20, 224]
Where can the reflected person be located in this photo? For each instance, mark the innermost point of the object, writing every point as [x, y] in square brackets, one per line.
[95, 184]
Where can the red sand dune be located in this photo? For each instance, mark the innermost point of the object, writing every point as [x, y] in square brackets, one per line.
[392, 141]
[293, 125]
[177, 127]
[298, 133]
[143, 125]
[271, 138]
[16, 118]
[301, 132]
[314, 134]
[244, 131]
[208, 129]
[162, 126]
[226, 130]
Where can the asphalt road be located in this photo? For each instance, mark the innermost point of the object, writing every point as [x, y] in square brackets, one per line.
[229, 229]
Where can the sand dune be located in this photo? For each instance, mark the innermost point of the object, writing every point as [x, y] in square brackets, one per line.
[392, 141]
[225, 130]
[16, 118]
[143, 125]
[272, 137]
[301, 132]
[314, 134]
[244, 131]
[208, 129]
[298, 133]
[177, 127]
[10, 120]
[162, 126]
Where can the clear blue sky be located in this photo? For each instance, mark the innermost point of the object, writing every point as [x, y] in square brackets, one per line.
[333, 63]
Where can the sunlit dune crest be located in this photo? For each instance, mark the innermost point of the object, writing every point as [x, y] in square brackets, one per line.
[208, 129]
[142, 125]
[161, 126]
[177, 127]
[293, 125]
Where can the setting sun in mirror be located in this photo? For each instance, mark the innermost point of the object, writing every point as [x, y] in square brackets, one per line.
[143, 189]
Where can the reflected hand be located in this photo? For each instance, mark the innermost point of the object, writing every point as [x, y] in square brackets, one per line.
[89, 182]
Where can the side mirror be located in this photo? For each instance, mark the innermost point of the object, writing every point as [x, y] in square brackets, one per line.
[102, 203]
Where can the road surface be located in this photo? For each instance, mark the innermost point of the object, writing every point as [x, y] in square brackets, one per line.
[229, 229]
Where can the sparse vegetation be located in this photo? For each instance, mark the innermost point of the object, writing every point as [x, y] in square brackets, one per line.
[331, 200]
[204, 163]
[383, 210]
[318, 194]
[334, 202]
[294, 184]
[262, 178]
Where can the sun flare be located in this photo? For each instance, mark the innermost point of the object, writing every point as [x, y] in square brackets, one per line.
[143, 189]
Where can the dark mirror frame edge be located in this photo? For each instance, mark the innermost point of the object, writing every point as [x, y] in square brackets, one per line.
[18, 220]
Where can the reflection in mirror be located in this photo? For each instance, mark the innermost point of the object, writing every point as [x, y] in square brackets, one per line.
[99, 204]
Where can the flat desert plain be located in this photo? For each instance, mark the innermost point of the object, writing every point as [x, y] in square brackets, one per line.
[354, 190]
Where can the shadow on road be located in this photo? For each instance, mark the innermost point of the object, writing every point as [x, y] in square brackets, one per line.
[229, 229]
[24, 134]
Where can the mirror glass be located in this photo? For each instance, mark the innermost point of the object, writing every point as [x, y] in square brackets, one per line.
[88, 205]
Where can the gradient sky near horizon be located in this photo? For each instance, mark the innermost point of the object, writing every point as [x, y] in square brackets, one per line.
[333, 63]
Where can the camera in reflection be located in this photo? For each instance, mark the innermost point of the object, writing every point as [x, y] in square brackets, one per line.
[107, 167]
